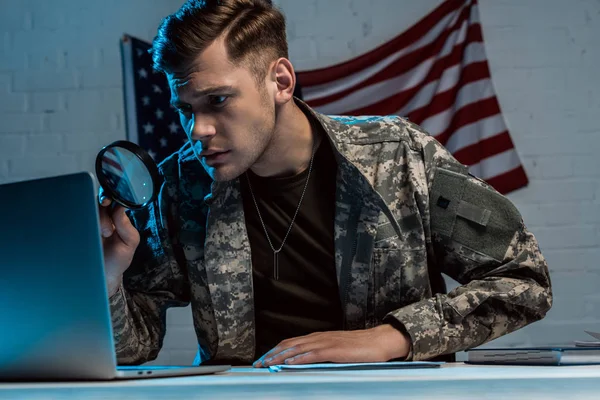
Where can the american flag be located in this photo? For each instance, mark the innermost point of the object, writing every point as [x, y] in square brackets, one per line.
[436, 74]
[151, 121]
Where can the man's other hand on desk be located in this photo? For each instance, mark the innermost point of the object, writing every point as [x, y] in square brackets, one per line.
[379, 344]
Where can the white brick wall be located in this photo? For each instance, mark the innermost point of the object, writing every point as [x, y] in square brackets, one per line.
[543, 69]
[60, 80]
[60, 99]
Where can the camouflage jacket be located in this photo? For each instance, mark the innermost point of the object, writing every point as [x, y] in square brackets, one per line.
[406, 212]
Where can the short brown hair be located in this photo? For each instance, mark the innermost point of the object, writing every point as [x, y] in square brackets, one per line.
[254, 29]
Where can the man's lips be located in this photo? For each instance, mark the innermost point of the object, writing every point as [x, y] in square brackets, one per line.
[214, 156]
[211, 152]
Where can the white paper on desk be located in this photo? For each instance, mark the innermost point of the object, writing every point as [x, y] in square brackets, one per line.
[355, 366]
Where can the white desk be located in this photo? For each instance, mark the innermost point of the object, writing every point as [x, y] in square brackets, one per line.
[451, 381]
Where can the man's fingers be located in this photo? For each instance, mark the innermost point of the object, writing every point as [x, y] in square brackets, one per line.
[297, 344]
[102, 198]
[129, 235]
[292, 352]
[106, 224]
[282, 355]
[284, 345]
[312, 357]
[260, 362]
[275, 350]
[270, 355]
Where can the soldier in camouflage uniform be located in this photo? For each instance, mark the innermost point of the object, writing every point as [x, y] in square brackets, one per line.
[404, 211]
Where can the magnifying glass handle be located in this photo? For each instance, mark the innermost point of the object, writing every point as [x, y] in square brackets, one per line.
[113, 205]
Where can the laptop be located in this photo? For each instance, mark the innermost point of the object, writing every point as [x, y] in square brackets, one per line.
[535, 356]
[54, 310]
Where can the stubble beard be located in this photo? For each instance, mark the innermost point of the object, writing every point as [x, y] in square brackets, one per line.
[235, 168]
[263, 138]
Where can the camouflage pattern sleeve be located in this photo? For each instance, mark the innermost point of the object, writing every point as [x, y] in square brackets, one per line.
[477, 237]
[154, 282]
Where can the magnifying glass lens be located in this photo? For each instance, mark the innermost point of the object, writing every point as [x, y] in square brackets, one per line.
[127, 174]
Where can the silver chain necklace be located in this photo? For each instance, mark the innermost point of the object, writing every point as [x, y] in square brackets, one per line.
[276, 252]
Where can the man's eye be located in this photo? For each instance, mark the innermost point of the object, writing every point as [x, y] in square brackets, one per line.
[217, 100]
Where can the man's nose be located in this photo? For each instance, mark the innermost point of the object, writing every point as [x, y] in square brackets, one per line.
[203, 128]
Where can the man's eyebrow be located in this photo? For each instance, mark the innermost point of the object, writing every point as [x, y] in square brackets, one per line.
[213, 89]
[207, 91]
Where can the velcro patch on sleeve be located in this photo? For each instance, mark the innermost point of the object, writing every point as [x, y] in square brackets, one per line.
[475, 216]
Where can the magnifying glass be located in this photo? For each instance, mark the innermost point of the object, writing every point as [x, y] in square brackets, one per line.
[127, 174]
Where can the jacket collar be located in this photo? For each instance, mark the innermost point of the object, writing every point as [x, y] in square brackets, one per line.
[342, 132]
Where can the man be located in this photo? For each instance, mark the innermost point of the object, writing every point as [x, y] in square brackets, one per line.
[301, 238]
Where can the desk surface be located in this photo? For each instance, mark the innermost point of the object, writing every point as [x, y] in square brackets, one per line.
[451, 381]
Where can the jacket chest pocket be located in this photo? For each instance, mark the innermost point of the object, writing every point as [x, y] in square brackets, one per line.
[192, 243]
[399, 277]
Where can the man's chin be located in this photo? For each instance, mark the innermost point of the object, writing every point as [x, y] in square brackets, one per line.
[224, 174]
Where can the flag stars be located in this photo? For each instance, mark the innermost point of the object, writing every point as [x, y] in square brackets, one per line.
[159, 113]
[173, 127]
[163, 142]
[156, 89]
[152, 153]
[143, 73]
[148, 128]
[146, 100]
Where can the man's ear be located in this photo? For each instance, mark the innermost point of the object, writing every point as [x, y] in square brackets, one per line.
[285, 80]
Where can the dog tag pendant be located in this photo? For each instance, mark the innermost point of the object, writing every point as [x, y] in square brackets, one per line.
[276, 265]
